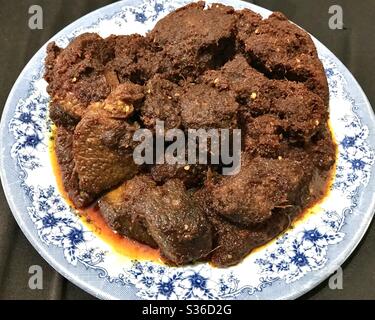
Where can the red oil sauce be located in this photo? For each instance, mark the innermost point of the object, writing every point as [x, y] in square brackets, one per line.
[129, 248]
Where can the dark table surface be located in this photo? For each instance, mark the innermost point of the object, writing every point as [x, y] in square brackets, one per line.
[354, 45]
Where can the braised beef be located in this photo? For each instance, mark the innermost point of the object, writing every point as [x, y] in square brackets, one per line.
[204, 107]
[119, 209]
[99, 165]
[69, 175]
[206, 40]
[283, 50]
[198, 68]
[75, 75]
[163, 216]
[176, 223]
[161, 103]
[261, 187]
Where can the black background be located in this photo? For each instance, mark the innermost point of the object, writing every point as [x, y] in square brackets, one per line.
[354, 45]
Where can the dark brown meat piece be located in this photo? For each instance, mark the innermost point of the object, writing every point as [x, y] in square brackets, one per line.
[61, 118]
[123, 100]
[282, 50]
[120, 104]
[323, 150]
[65, 159]
[247, 22]
[236, 75]
[75, 75]
[319, 152]
[197, 24]
[176, 223]
[206, 40]
[101, 165]
[192, 175]
[263, 136]
[233, 243]
[272, 111]
[133, 58]
[161, 103]
[204, 107]
[261, 187]
[118, 209]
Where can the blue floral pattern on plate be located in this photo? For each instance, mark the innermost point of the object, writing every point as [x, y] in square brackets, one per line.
[288, 259]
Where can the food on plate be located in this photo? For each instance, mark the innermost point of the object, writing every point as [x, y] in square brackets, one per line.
[200, 67]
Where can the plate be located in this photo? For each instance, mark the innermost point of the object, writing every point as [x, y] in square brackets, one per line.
[286, 268]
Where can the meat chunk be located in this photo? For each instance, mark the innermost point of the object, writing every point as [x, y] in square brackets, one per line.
[301, 112]
[123, 100]
[192, 175]
[87, 71]
[236, 75]
[247, 22]
[323, 150]
[165, 217]
[133, 58]
[201, 26]
[161, 103]
[176, 223]
[206, 40]
[101, 165]
[65, 159]
[320, 151]
[75, 75]
[204, 107]
[62, 118]
[233, 243]
[273, 107]
[261, 187]
[118, 208]
[263, 136]
[283, 50]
